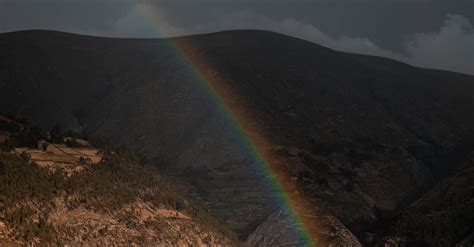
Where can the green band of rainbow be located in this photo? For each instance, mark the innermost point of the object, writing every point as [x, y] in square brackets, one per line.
[245, 135]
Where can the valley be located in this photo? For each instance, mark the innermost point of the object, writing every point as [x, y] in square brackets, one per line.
[378, 150]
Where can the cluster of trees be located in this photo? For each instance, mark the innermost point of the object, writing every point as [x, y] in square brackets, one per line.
[436, 228]
[57, 135]
[120, 178]
[23, 134]
[423, 226]
[123, 176]
[23, 183]
[27, 137]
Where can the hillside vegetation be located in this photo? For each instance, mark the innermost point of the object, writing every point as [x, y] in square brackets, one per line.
[120, 200]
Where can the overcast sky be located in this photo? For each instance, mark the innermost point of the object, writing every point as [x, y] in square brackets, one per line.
[428, 33]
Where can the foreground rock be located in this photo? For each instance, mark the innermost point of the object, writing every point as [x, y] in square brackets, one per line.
[278, 230]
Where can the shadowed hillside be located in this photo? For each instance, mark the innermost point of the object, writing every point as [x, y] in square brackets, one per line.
[364, 137]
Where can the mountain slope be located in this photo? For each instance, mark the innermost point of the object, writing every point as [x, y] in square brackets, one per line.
[72, 194]
[360, 133]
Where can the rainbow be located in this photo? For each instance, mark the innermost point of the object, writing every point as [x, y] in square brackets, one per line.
[246, 133]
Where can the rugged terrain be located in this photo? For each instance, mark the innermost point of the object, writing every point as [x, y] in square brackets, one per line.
[72, 194]
[369, 140]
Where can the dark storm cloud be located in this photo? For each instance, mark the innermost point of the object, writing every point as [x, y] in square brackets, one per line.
[86, 16]
[429, 33]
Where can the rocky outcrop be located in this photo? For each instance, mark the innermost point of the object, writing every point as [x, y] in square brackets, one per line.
[139, 224]
[279, 230]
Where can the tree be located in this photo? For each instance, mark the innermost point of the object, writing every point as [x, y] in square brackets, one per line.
[44, 146]
[56, 134]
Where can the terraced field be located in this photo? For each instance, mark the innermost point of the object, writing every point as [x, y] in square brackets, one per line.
[57, 156]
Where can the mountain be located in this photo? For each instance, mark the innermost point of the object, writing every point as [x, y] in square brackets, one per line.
[365, 137]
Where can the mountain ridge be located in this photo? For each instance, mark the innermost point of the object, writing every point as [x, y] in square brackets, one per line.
[348, 127]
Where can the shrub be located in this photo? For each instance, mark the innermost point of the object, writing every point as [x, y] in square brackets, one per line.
[72, 143]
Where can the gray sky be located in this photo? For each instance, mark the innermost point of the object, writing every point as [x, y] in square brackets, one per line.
[428, 33]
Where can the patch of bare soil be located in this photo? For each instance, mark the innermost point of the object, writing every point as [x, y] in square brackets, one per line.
[56, 156]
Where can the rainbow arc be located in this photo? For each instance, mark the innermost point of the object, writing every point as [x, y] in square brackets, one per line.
[237, 118]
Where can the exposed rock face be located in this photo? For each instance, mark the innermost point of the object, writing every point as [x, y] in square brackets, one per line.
[137, 224]
[334, 233]
[278, 230]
